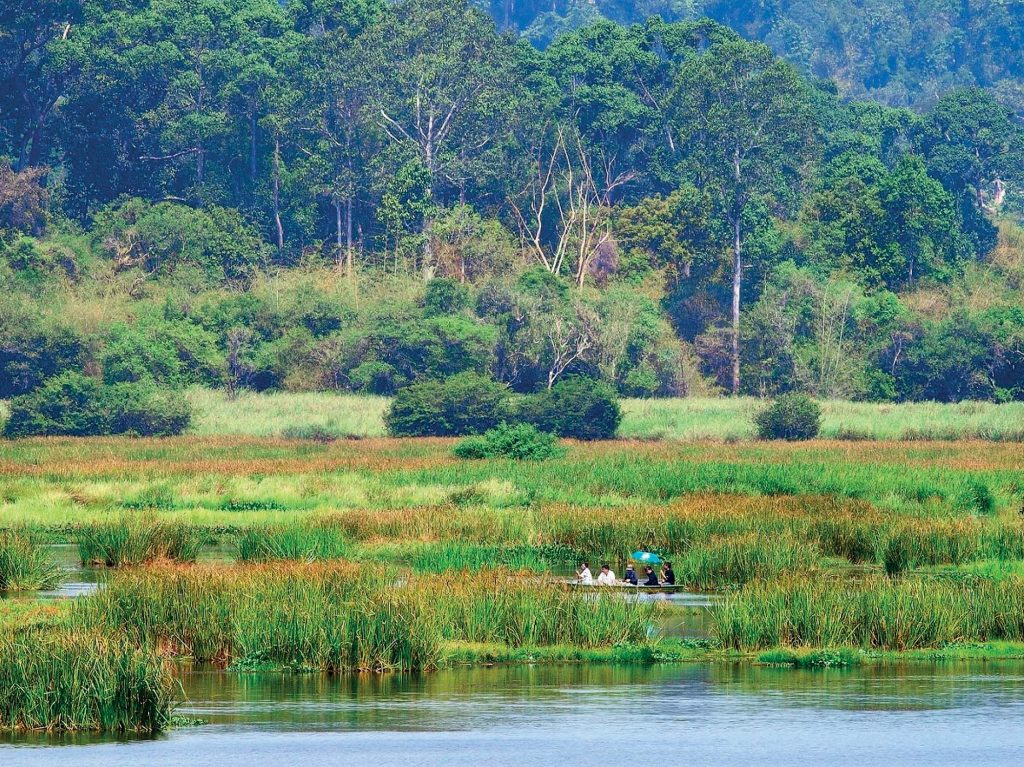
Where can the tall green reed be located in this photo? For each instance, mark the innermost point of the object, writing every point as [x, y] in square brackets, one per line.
[59, 680]
[26, 566]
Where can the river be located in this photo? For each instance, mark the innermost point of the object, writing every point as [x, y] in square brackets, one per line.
[943, 714]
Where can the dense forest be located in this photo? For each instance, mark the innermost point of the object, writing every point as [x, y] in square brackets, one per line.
[356, 195]
[901, 52]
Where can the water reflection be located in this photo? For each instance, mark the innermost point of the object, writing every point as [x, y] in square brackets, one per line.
[526, 716]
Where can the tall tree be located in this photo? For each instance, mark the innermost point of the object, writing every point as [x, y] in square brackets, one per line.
[746, 130]
[441, 80]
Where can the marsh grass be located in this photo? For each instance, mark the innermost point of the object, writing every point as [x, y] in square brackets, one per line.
[451, 556]
[331, 415]
[306, 415]
[136, 539]
[304, 541]
[60, 680]
[330, 616]
[875, 613]
[25, 565]
[731, 419]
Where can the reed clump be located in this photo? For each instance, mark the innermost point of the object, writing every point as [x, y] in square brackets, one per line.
[324, 615]
[308, 542]
[136, 539]
[25, 566]
[877, 613]
[61, 680]
[730, 561]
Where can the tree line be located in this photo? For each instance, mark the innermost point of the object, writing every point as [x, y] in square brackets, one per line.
[666, 206]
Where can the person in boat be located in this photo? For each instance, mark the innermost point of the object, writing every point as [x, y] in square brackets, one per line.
[652, 577]
[606, 577]
[630, 576]
[668, 575]
[585, 576]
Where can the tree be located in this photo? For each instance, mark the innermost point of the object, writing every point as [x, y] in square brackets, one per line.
[565, 210]
[745, 130]
[441, 84]
[974, 147]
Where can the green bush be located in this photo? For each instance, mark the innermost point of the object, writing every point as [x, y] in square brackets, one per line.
[69, 405]
[445, 296]
[521, 442]
[791, 416]
[577, 407]
[33, 350]
[146, 410]
[467, 403]
[74, 405]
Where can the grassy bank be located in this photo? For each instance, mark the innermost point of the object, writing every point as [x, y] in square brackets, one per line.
[330, 616]
[333, 415]
[882, 614]
[60, 680]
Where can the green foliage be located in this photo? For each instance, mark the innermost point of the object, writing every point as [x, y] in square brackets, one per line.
[146, 410]
[32, 351]
[172, 353]
[521, 442]
[576, 407]
[168, 236]
[68, 405]
[467, 403]
[790, 417]
[75, 405]
[445, 296]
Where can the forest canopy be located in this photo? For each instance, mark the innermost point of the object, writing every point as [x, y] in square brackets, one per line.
[360, 195]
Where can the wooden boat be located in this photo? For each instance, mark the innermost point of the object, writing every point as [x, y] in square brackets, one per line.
[663, 588]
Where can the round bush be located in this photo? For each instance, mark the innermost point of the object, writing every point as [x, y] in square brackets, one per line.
[146, 410]
[69, 405]
[577, 407]
[791, 416]
[522, 442]
[467, 403]
[74, 405]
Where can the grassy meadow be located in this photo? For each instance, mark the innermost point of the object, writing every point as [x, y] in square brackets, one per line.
[285, 414]
[375, 554]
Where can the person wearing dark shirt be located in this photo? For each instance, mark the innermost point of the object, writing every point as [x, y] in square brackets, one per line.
[668, 575]
[652, 577]
[630, 576]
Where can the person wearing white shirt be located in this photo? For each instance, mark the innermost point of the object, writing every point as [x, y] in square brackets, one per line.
[606, 577]
[585, 577]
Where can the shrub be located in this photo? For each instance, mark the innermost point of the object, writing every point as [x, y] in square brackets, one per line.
[68, 405]
[171, 353]
[445, 296]
[522, 442]
[33, 350]
[791, 416]
[577, 407]
[467, 403]
[74, 405]
[146, 410]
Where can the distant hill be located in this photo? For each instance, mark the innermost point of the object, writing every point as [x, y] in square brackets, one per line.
[901, 52]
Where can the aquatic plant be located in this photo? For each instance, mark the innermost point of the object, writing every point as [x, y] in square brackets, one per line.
[874, 613]
[26, 566]
[133, 539]
[325, 615]
[60, 680]
[306, 541]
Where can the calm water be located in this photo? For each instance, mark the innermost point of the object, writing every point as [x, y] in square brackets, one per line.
[702, 715]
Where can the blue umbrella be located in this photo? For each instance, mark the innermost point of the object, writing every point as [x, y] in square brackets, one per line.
[646, 557]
